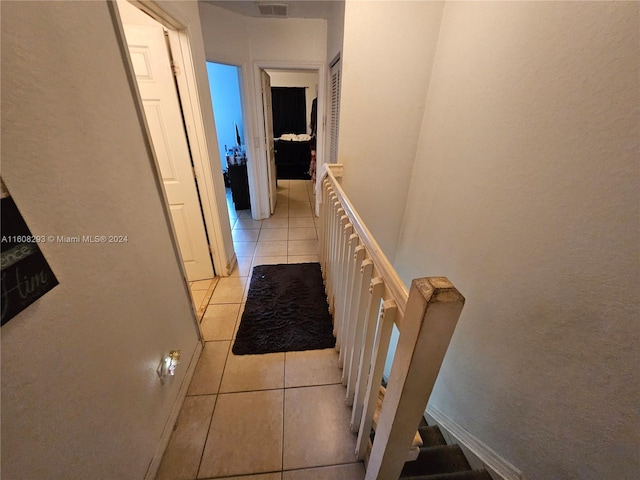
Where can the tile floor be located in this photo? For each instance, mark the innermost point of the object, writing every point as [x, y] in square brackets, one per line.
[279, 416]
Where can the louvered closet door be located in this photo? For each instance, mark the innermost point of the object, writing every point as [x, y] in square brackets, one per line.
[335, 110]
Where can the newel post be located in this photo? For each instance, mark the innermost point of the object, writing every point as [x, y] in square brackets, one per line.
[433, 309]
[337, 169]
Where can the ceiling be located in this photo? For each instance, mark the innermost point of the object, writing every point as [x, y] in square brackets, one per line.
[297, 8]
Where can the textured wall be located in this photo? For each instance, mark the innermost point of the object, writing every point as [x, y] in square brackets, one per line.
[335, 29]
[525, 194]
[386, 63]
[80, 395]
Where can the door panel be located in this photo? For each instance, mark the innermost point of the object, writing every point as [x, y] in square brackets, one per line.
[149, 55]
[155, 121]
[180, 219]
[268, 141]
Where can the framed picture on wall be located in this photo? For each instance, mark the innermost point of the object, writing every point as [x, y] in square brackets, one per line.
[25, 273]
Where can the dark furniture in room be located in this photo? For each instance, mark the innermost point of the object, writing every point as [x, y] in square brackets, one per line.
[239, 186]
[293, 159]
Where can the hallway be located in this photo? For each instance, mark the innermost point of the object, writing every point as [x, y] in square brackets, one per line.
[279, 416]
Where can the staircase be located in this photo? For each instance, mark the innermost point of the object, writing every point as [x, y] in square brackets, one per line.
[431, 457]
[439, 461]
[368, 299]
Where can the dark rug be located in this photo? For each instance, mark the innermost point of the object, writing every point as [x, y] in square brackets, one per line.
[286, 311]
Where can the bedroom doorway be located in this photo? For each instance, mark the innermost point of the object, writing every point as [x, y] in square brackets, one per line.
[289, 109]
[289, 153]
[224, 86]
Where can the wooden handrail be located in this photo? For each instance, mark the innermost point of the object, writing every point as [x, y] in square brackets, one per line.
[368, 298]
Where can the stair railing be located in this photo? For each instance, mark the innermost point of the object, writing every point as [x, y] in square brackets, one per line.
[367, 297]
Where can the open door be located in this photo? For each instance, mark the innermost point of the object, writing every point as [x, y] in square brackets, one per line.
[265, 80]
[154, 75]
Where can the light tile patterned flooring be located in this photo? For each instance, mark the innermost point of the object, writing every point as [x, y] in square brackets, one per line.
[280, 416]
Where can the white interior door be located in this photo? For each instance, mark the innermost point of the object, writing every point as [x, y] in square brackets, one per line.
[268, 140]
[152, 66]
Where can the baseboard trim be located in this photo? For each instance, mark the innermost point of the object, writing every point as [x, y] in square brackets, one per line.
[497, 466]
[154, 465]
[230, 266]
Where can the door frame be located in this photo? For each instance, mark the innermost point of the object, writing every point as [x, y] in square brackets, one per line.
[193, 118]
[268, 144]
[259, 168]
[246, 129]
[190, 103]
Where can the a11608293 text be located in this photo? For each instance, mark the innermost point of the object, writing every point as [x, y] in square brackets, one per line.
[25, 239]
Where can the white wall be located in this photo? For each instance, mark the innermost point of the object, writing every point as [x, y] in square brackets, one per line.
[307, 80]
[290, 39]
[335, 29]
[386, 63]
[525, 194]
[224, 86]
[224, 34]
[236, 40]
[335, 35]
[80, 395]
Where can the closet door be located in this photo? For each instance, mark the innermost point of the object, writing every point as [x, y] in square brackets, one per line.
[152, 66]
[334, 114]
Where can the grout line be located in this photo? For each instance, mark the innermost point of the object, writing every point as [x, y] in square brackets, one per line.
[284, 399]
[235, 392]
[204, 445]
[314, 386]
[319, 466]
[243, 475]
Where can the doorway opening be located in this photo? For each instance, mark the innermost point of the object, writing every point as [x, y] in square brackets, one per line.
[224, 86]
[154, 70]
[290, 122]
[288, 129]
[294, 99]
[290, 100]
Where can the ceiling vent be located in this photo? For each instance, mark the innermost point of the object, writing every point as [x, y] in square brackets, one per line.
[273, 9]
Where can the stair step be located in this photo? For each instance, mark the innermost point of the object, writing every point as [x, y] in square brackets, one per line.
[436, 460]
[417, 440]
[469, 475]
[431, 436]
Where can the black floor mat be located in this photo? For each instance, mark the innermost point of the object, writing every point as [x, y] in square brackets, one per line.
[286, 311]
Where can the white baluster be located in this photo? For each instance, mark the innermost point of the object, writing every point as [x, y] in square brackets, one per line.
[354, 269]
[335, 226]
[332, 206]
[379, 355]
[363, 361]
[341, 305]
[343, 226]
[357, 314]
[347, 333]
[324, 210]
